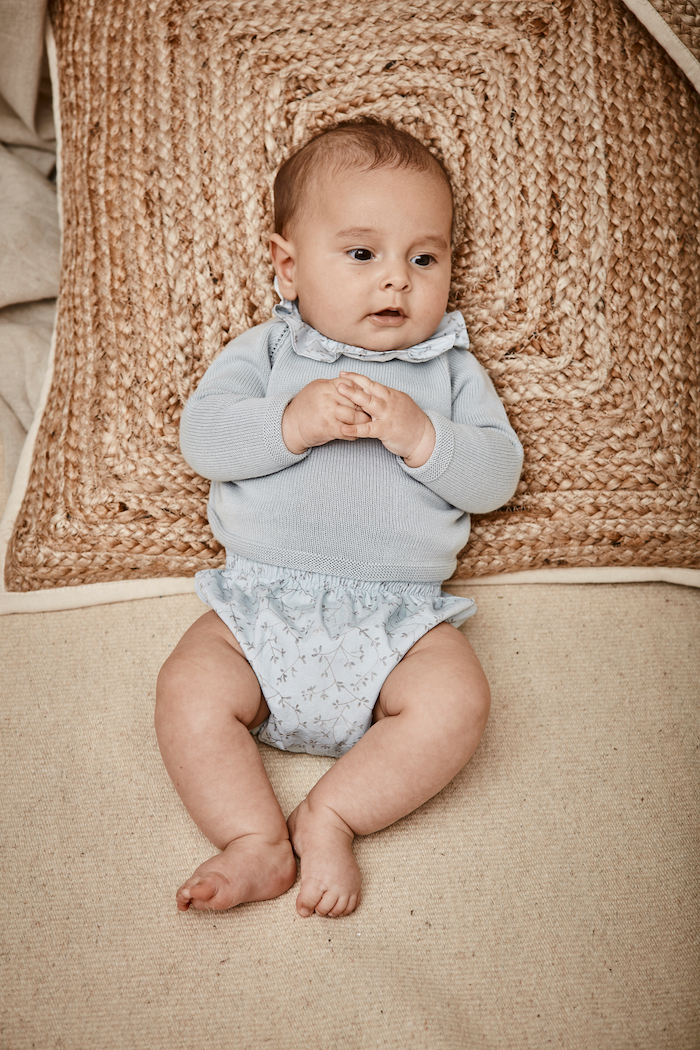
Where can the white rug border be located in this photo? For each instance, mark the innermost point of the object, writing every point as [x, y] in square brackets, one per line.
[664, 34]
[86, 595]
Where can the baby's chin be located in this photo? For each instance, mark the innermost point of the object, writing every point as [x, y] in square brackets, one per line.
[380, 339]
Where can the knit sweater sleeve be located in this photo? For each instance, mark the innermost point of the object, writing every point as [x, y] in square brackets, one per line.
[230, 430]
[477, 458]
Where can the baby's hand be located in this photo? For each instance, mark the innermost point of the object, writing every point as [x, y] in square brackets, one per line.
[394, 417]
[317, 414]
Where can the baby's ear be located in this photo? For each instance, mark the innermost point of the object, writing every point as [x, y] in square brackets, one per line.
[284, 261]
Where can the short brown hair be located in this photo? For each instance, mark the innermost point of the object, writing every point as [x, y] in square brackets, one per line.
[363, 143]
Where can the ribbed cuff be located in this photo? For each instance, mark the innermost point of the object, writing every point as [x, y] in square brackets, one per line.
[272, 431]
[440, 457]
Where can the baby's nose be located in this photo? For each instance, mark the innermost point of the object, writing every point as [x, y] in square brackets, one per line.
[397, 276]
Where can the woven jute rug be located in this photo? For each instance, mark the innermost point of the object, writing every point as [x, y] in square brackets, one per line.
[574, 146]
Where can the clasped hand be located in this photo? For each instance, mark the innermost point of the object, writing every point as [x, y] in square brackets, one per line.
[353, 406]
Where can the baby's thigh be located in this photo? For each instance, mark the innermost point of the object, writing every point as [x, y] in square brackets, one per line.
[208, 668]
[439, 678]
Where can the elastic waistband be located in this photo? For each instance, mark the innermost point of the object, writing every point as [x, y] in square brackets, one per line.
[281, 574]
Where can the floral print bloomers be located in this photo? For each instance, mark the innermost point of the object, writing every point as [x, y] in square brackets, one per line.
[322, 646]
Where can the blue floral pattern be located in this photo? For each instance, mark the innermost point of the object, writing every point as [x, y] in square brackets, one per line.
[322, 646]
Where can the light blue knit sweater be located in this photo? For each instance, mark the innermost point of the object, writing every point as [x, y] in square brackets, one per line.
[349, 509]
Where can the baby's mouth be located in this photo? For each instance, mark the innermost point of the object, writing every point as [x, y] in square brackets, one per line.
[388, 316]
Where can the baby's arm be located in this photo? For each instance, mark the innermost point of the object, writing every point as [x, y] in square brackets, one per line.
[475, 457]
[232, 430]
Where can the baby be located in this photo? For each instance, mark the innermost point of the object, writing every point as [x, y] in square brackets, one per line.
[347, 441]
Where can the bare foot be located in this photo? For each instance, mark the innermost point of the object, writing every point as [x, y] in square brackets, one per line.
[250, 869]
[330, 877]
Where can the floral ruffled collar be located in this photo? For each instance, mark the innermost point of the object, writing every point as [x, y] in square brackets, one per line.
[307, 342]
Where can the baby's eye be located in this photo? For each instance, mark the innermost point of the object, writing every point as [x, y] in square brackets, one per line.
[360, 254]
[422, 260]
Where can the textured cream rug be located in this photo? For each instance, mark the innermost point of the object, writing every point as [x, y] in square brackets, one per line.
[547, 897]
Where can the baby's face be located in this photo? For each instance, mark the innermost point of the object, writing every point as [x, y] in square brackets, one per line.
[369, 260]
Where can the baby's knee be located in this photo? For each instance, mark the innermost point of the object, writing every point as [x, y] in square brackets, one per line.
[465, 687]
[181, 704]
[479, 704]
[171, 686]
[207, 678]
[170, 677]
[190, 660]
[466, 707]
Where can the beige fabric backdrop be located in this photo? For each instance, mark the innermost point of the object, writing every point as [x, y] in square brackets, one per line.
[547, 897]
[29, 234]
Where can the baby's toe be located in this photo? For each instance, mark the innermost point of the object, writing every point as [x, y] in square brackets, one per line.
[199, 892]
[311, 894]
[340, 906]
[330, 904]
[345, 905]
[183, 897]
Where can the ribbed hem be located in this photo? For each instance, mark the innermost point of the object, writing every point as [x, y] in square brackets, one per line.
[440, 457]
[272, 431]
[339, 566]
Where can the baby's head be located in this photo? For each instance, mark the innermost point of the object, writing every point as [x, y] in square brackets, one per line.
[363, 224]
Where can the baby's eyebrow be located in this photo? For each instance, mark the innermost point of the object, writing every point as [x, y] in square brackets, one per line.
[356, 231]
[353, 232]
[434, 242]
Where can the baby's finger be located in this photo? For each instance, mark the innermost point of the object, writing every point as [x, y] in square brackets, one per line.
[354, 393]
[345, 397]
[367, 395]
[351, 414]
[367, 403]
[348, 384]
[358, 430]
[370, 386]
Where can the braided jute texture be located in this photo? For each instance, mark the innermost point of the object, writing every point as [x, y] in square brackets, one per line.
[574, 147]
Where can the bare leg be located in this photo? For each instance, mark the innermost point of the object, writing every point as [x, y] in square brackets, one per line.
[207, 699]
[429, 718]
